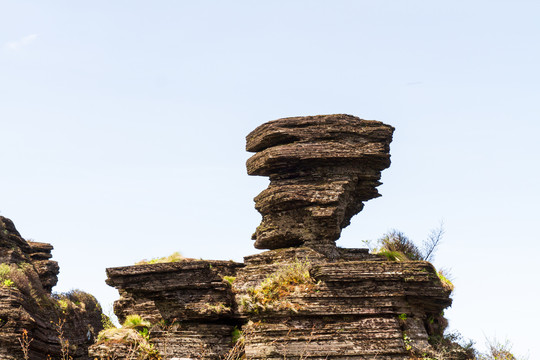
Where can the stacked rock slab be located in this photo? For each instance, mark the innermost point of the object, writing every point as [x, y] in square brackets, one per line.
[321, 169]
[360, 306]
[355, 305]
[189, 303]
[26, 303]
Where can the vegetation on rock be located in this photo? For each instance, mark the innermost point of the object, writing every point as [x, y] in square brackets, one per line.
[174, 257]
[273, 291]
[134, 334]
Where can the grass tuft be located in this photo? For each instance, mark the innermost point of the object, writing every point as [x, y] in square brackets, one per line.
[174, 257]
[273, 291]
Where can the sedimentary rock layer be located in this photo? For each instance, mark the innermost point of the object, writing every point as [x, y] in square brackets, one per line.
[191, 297]
[321, 168]
[362, 309]
[27, 276]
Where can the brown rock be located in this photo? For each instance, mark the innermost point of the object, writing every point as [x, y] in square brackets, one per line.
[191, 296]
[27, 303]
[359, 309]
[321, 168]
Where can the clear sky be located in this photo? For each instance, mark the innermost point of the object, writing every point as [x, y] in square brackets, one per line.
[123, 124]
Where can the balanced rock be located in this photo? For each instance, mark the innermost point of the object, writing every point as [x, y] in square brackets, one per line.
[321, 169]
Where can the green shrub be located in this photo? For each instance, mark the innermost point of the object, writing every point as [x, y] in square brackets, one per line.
[395, 242]
[395, 245]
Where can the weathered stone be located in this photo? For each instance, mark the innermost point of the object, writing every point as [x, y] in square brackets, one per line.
[337, 304]
[27, 304]
[321, 168]
[357, 309]
[191, 297]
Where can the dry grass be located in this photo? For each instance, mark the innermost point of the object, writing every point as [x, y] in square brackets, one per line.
[272, 293]
[174, 257]
[23, 277]
[134, 334]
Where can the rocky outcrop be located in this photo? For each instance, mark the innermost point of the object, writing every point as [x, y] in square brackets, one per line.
[304, 298]
[189, 304]
[321, 169]
[51, 321]
[47, 269]
[355, 309]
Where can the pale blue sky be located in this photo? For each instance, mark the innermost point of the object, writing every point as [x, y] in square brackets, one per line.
[122, 130]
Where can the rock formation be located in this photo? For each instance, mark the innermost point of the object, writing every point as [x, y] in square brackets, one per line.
[191, 302]
[361, 306]
[27, 276]
[305, 298]
[321, 169]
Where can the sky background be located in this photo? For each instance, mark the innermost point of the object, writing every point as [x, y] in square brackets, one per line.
[123, 124]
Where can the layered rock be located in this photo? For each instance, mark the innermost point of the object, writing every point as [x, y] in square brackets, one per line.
[189, 303]
[305, 298]
[26, 304]
[355, 309]
[321, 169]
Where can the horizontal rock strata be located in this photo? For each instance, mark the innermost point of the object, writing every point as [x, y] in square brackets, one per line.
[26, 303]
[364, 309]
[321, 168]
[190, 297]
[305, 298]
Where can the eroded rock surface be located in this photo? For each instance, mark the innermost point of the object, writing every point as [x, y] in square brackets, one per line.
[305, 298]
[363, 308]
[26, 304]
[190, 305]
[321, 169]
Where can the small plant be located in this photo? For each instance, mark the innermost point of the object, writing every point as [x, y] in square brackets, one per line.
[393, 255]
[5, 270]
[402, 317]
[135, 322]
[395, 246]
[24, 277]
[64, 343]
[174, 257]
[395, 242]
[450, 345]
[25, 341]
[229, 279]
[446, 283]
[407, 341]
[272, 292]
[134, 332]
[219, 308]
[237, 352]
[498, 351]
[106, 322]
[8, 283]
